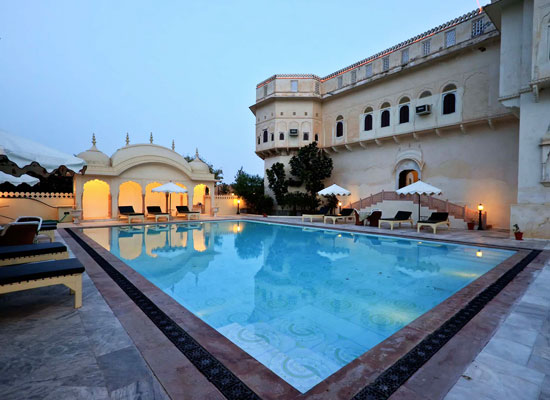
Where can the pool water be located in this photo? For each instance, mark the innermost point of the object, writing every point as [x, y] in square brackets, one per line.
[304, 302]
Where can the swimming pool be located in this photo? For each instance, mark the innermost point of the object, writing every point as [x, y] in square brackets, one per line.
[304, 302]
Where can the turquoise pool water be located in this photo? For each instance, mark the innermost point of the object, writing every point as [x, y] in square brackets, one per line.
[304, 302]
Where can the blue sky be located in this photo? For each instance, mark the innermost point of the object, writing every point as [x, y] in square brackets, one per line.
[184, 70]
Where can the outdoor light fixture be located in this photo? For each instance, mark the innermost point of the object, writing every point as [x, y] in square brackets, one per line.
[480, 208]
[239, 206]
[340, 207]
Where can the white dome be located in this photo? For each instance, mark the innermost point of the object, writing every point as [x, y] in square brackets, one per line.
[197, 165]
[95, 157]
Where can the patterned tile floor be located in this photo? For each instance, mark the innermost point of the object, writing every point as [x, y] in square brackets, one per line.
[515, 364]
[49, 350]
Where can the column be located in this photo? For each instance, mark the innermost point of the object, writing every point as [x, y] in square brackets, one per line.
[190, 193]
[212, 188]
[114, 199]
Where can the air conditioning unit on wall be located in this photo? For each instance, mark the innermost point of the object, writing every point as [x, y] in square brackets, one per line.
[424, 109]
[293, 132]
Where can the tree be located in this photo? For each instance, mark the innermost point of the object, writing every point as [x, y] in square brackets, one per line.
[224, 188]
[311, 166]
[251, 189]
[276, 177]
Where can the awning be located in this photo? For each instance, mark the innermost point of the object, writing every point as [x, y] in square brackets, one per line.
[18, 180]
[334, 190]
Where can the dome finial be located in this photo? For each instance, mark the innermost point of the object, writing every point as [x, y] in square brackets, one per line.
[151, 138]
[197, 153]
[173, 145]
[127, 139]
[93, 139]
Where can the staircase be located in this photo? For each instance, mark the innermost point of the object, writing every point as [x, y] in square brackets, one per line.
[456, 211]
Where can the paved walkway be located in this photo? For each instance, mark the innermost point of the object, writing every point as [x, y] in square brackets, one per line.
[49, 350]
[515, 364]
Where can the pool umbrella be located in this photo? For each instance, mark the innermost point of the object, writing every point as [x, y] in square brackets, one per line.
[26, 154]
[168, 188]
[18, 180]
[334, 190]
[419, 188]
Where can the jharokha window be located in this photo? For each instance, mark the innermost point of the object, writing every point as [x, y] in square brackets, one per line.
[367, 121]
[265, 136]
[404, 112]
[339, 126]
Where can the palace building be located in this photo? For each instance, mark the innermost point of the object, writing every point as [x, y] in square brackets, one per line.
[464, 106]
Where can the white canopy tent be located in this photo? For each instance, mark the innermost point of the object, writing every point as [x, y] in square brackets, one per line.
[18, 180]
[22, 152]
[419, 188]
[169, 188]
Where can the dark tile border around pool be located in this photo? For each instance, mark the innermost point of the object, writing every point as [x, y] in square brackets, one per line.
[376, 374]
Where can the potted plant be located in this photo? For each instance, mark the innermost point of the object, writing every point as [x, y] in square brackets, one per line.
[471, 223]
[517, 233]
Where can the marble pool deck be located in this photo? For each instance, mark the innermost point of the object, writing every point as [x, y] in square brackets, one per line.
[50, 350]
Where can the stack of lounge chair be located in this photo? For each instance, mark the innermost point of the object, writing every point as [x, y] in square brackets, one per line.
[27, 265]
[129, 213]
[184, 210]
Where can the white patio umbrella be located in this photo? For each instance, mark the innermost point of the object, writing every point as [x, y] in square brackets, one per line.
[419, 188]
[18, 180]
[168, 188]
[23, 152]
[334, 190]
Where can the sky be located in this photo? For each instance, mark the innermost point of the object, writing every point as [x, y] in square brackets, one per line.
[186, 71]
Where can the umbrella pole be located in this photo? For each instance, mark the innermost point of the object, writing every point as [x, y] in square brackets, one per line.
[418, 208]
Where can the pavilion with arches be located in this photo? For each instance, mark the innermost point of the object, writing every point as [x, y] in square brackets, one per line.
[129, 175]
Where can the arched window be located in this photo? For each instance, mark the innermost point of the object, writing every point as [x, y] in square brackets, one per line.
[368, 122]
[281, 136]
[339, 126]
[385, 115]
[258, 140]
[404, 113]
[425, 93]
[306, 135]
[272, 136]
[449, 99]
[265, 136]
[316, 137]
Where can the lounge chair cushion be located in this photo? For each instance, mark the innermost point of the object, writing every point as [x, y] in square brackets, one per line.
[184, 209]
[436, 217]
[27, 250]
[155, 210]
[400, 216]
[48, 227]
[40, 270]
[127, 210]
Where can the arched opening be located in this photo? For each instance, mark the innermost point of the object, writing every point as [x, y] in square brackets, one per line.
[449, 99]
[404, 114]
[96, 200]
[179, 199]
[198, 195]
[385, 118]
[407, 172]
[129, 194]
[407, 177]
[368, 122]
[449, 103]
[265, 136]
[154, 199]
[339, 126]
